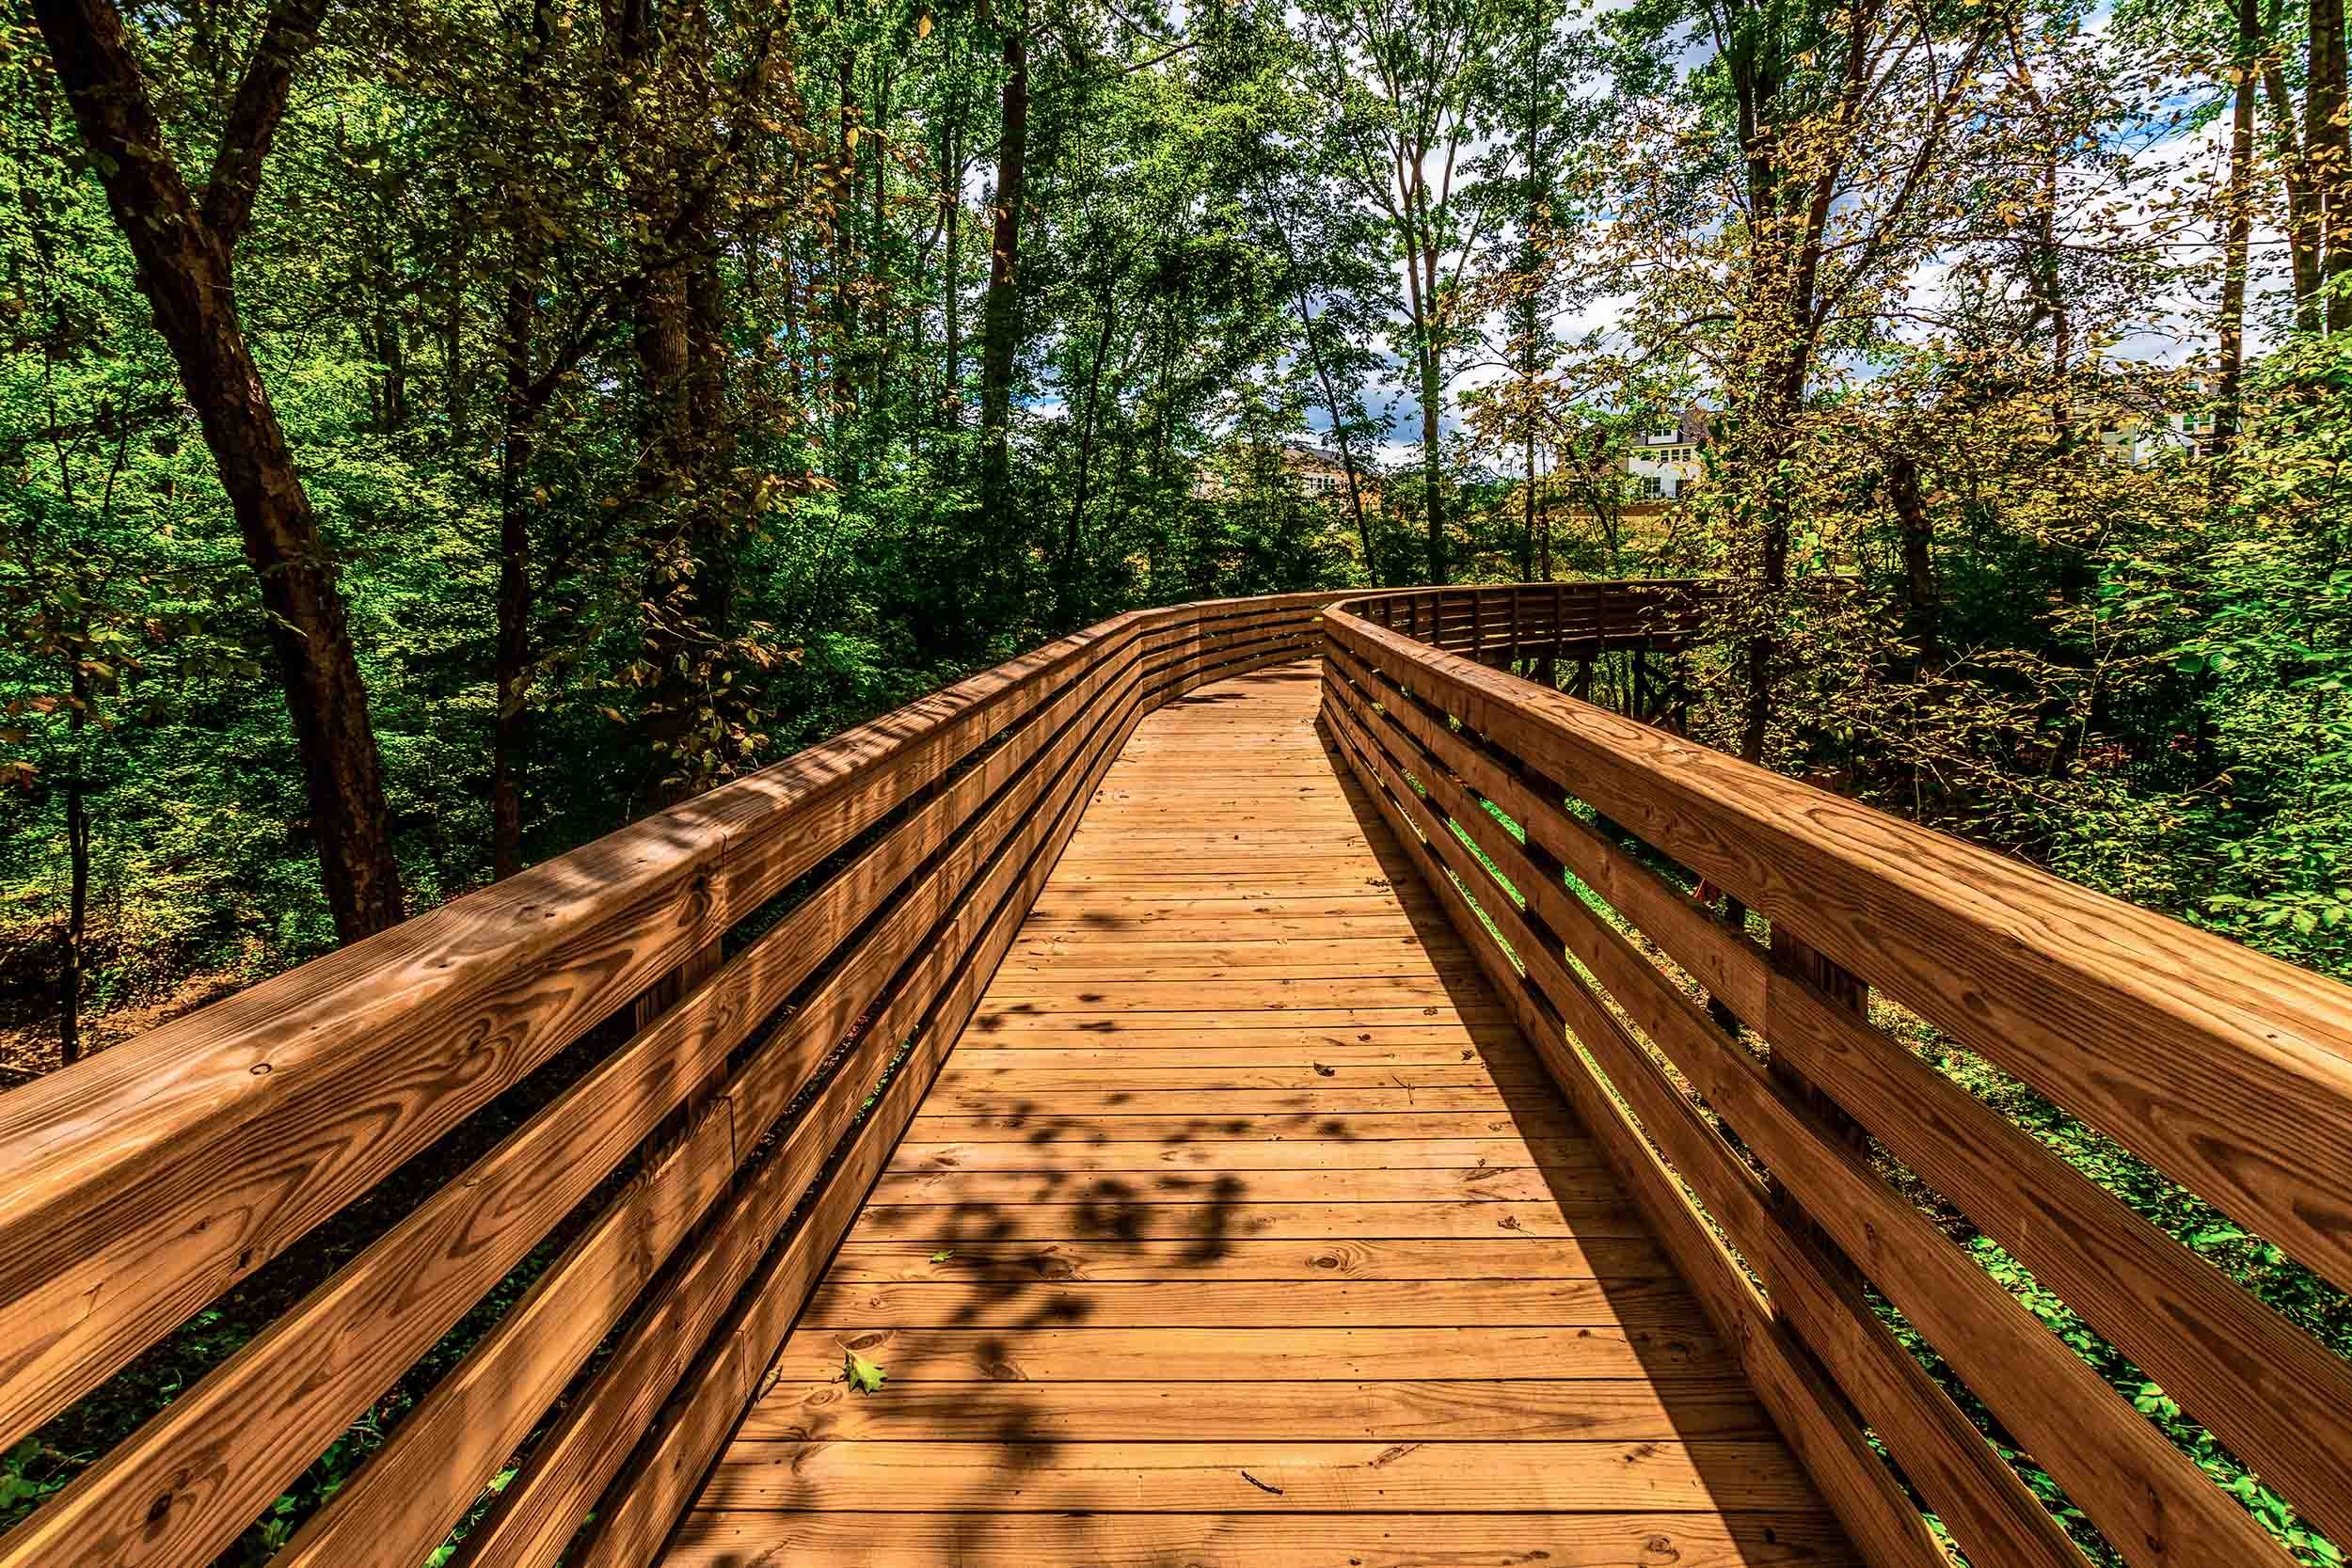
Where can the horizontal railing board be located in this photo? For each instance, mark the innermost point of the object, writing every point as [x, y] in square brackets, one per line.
[2181, 1046]
[188, 1480]
[538, 1512]
[2282, 1400]
[660, 1480]
[1724, 961]
[381, 1515]
[146, 1180]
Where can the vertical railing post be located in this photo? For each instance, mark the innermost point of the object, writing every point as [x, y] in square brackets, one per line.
[1792, 963]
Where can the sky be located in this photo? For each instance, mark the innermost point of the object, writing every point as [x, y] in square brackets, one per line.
[2176, 332]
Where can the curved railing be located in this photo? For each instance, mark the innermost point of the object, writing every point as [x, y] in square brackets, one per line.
[738, 973]
[1739, 1085]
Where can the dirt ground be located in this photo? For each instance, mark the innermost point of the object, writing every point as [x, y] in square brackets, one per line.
[28, 1045]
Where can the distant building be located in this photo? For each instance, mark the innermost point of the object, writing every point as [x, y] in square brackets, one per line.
[1665, 457]
[2135, 438]
[1316, 474]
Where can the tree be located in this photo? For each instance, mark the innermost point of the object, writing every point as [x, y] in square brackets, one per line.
[185, 249]
[1404, 79]
[1830, 136]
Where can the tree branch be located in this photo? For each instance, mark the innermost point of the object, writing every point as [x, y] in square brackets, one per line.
[287, 34]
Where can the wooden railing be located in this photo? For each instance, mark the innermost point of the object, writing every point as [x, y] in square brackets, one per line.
[1739, 1085]
[685, 1120]
[682, 1053]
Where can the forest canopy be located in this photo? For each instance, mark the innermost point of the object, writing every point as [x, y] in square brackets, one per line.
[439, 431]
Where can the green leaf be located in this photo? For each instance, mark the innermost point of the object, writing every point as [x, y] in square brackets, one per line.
[860, 1373]
[941, 1257]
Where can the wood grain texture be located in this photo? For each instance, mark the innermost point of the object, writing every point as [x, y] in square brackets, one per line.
[189, 1480]
[451, 1447]
[2276, 1396]
[1967, 956]
[147, 1180]
[1176, 1150]
[982, 1302]
[1435, 1410]
[537, 1514]
[1234, 1142]
[1361, 1477]
[143, 1183]
[725, 1539]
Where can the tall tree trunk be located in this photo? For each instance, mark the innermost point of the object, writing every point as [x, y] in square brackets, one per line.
[1066, 565]
[669, 468]
[1000, 313]
[519, 412]
[2327, 147]
[844, 205]
[1330, 402]
[1432, 457]
[712, 515]
[1422, 308]
[183, 253]
[951, 267]
[1543, 535]
[1527, 495]
[509, 734]
[878, 238]
[2239, 200]
[77, 871]
[454, 333]
[1923, 607]
[2303, 217]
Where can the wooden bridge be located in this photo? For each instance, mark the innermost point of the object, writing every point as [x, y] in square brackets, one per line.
[1256, 1080]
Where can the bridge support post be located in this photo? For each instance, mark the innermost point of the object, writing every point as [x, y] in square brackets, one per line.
[1794, 963]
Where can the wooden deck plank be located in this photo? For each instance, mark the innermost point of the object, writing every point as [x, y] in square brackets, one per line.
[867, 1540]
[1240, 1166]
[1059, 1353]
[1150, 1077]
[1394, 1411]
[985, 1302]
[1075, 1130]
[1212, 1222]
[1258, 1478]
[1178, 1151]
[1527, 1183]
[1616, 1258]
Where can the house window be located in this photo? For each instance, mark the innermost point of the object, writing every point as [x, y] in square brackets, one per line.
[1653, 487]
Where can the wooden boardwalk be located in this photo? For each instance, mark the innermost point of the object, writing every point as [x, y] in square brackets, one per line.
[1240, 1228]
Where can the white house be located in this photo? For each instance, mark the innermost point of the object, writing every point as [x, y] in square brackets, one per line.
[1665, 458]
